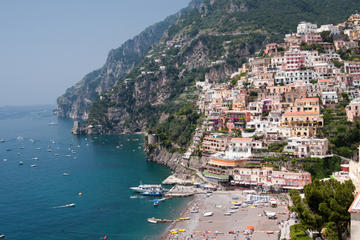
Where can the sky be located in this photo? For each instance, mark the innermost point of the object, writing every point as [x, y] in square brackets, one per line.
[46, 46]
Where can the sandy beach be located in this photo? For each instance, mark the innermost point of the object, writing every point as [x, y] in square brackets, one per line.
[229, 226]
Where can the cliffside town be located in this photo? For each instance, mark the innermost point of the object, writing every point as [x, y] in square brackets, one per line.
[266, 125]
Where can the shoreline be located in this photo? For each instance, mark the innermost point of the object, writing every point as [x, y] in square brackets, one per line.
[224, 226]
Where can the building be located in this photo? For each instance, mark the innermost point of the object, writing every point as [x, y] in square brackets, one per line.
[354, 211]
[215, 143]
[306, 27]
[267, 177]
[329, 97]
[239, 148]
[295, 60]
[353, 110]
[307, 147]
[311, 38]
[302, 124]
[329, 28]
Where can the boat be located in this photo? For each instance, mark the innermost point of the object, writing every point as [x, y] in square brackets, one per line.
[8, 150]
[2, 236]
[52, 123]
[70, 205]
[156, 203]
[35, 158]
[66, 174]
[208, 214]
[147, 187]
[2, 140]
[152, 193]
[21, 163]
[49, 150]
[152, 220]
[227, 214]
[234, 207]
[194, 211]
[33, 165]
[37, 148]
[22, 147]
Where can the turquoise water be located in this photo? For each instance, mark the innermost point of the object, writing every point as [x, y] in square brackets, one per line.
[97, 168]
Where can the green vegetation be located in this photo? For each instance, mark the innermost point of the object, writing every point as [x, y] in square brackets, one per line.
[277, 146]
[344, 136]
[307, 47]
[178, 128]
[297, 232]
[325, 207]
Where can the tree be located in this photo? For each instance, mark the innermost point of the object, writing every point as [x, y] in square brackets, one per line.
[325, 206]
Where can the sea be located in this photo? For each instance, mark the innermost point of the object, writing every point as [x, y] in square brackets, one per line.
[93, 172]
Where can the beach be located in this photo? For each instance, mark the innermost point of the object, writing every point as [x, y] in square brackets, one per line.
[248, 222]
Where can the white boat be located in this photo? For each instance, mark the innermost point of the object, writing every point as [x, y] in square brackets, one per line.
[208, 214]
[227, 214]
[37, 148]
[49, 150]
[70, 205]
[5, 160]
[2, 140]
[151, 220]
[21, 163]
[33, 165]
[147, 187]
[194, 211]
[35, 158]
[2, 236]
[66, 174]
[52, 123]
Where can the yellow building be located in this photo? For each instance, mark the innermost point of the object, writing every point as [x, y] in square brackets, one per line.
[302, 124]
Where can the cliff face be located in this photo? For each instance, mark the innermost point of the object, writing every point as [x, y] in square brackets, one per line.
[153, 75]
[77, 100]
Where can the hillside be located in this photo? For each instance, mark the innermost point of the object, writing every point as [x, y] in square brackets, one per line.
[153, 88]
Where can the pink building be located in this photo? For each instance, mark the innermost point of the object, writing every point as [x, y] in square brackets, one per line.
[268, 177]
[311, 38]
[353, 110]
[294, 60]
[271, 48]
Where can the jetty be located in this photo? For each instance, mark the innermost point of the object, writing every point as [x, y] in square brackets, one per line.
[183, 191]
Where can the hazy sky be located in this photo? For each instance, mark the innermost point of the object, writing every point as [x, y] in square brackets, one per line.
[47, 46]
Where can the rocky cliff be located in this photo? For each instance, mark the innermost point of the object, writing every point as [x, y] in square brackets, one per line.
[77, 100]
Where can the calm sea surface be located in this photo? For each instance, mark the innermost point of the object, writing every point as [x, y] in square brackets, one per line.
[102, 168]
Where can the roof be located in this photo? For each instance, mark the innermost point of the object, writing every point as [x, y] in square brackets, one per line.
[241, 139]
[355, 206]
[314, 99]
[300, 113]
[324, 80]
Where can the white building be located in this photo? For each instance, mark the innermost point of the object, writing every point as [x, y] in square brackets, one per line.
[239, 148]
[329, 97]
[305, 28]
[329, 27]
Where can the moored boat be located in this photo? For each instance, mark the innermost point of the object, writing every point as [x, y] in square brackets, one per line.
[152, 193]
[147, 187]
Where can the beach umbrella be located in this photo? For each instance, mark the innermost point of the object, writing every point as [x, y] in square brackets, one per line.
[250, 227]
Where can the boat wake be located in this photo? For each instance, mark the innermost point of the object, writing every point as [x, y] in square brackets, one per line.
[65, 206]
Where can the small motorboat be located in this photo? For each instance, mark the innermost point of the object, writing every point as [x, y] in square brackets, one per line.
[66, 174]
[37, 148]
[194, 211]
[8, 150]
[2, 140]
[5, 160]
[33, 165]
[35, 158]
[208, 214]
[156, 203]
[152, 220]
[70, 205]
[21, 163]
[22, 147]
[2, 236]
[234, 207]
[49, 150]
